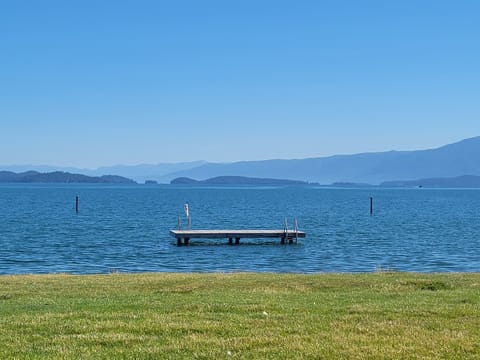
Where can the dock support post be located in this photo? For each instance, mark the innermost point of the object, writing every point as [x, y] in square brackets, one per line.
[179, 241]
[230, 241]
[237, 241]
[371, 205]
[76, 204]
[185, 241]
[282, 240]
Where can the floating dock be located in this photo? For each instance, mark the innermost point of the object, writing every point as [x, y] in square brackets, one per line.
[286, 236]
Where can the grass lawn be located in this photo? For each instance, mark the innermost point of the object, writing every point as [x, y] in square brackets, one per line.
[241, 316]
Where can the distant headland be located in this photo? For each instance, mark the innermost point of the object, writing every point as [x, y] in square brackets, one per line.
[60, 177]
[465, 181]
[238, 180]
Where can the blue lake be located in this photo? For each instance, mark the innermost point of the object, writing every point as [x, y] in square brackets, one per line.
[126, 229]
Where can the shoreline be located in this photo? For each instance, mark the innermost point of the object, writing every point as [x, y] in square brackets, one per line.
[248, 273]
[245, 273]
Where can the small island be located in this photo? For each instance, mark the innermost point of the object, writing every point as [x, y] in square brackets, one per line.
[465, 181]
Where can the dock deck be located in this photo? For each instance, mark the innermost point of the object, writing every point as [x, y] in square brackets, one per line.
[284, 235]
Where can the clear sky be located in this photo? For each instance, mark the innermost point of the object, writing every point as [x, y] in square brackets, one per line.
[90, 83]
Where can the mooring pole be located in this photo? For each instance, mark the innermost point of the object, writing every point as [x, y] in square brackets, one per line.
[371, 205]
[296, 230]
[76, 204]
[187, 214]
[285, 232]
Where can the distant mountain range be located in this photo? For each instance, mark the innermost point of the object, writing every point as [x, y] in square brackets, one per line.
[60, 177]
[449, 161]
[237, 180]
[461, 158]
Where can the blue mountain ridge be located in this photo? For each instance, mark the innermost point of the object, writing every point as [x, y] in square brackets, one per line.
[457, 159]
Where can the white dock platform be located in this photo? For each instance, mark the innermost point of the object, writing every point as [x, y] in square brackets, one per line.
[183, 236]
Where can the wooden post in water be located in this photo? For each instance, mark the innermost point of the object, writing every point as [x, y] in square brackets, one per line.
[296, 230]
[76, 204]
[371, 205]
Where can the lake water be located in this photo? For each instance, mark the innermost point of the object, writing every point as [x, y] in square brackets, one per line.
[126, 229]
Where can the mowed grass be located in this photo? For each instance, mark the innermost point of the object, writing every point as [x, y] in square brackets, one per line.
[241, 316]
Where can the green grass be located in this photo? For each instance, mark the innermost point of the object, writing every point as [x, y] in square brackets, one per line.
[220, 316]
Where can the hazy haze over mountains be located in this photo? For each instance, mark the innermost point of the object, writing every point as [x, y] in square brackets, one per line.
[457, 159]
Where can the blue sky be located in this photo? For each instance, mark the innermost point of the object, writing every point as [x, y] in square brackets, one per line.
[92, 83]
